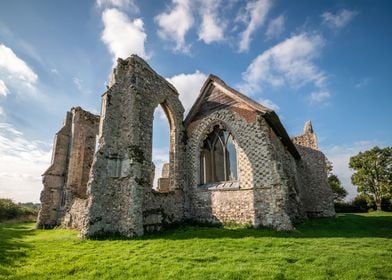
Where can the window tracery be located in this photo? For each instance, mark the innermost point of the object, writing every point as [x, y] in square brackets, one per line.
[218, 157]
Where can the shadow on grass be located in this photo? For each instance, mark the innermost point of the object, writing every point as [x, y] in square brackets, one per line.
[12, 246]
[344, 225]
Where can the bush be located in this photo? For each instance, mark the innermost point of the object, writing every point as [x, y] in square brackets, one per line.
[348, 207]
[360, 204]
[363, 203]
[386, 204]
[10, 210]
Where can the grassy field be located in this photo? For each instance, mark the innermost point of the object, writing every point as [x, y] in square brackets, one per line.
[352, 246]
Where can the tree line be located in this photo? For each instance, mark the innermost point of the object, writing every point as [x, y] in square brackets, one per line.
[10, 210]
[373, 178]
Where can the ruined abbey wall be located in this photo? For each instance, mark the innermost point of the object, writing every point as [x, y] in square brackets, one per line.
[81, 154]
[110, 190]
[315, 193]
[65, 182]
[121, 198]
[54, 178]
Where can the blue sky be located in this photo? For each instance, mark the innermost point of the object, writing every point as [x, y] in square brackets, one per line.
[325, 61]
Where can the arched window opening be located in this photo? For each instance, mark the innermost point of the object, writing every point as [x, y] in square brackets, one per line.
[218, 157]
[160, 151]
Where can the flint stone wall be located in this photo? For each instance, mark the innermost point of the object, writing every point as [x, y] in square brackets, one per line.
[222, 204]
[65, 181]
[286, 166]
[84, 133]
[259, 171]
[54, 177]
[315, 193]
[121, 199]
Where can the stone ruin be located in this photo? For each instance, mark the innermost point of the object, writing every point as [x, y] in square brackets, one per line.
[231, 160]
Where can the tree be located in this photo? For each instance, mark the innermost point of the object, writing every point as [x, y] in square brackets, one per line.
[338, 190]
[373, 173]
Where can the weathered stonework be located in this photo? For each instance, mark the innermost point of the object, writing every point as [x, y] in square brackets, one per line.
[54, 178]
[121, 198]
[279, 181]
[65, 182]
[308, 139]
[316, 195]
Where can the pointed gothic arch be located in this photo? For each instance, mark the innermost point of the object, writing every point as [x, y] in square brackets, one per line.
[218, 157]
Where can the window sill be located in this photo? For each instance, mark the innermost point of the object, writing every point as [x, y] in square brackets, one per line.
[229, 185]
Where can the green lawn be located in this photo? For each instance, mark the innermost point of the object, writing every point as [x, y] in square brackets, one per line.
[352, 246]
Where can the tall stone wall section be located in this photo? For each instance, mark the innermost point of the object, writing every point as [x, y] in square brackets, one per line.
[120, 195]
[84, 134]
[54, 178]
[286, 166]
[65, 181]
[315, 193]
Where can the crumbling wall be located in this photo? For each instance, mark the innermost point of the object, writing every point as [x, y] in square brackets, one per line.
[164, 180]
[53, 193]
[308, 138]
[64, 195]
[120, 187]
[84, 133]
[315, 193]
[161, 209]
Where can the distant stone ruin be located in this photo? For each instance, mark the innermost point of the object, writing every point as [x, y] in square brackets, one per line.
[231, 160]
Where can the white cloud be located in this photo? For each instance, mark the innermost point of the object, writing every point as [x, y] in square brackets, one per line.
[55, 71]
[122, 35]
[254, 16]
[77, 82]
[188, 85]
[15, 69]
[319, 96]
[340, 155]
[339, 20]
[3, 89]
[275, 27]
[2, 112]
[212, 27]
[128, 5]
[290, 62]
[269, 104]
[22, 163]
[174, 24]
